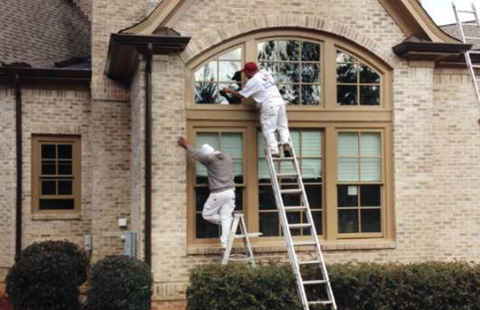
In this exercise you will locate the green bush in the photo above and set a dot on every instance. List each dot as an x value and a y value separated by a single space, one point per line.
78 257
119 282
432 286
43 281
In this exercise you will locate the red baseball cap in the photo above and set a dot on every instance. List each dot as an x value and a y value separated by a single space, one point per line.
250 67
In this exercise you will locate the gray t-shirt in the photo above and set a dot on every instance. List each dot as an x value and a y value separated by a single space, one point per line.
220 170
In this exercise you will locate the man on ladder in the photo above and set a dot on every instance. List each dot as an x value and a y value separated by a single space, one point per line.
221 203
273 115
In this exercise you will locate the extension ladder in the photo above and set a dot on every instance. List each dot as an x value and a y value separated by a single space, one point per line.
239 221
287 228
468 54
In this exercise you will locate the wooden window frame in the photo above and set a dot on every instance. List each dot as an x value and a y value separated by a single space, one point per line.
75 141
330 118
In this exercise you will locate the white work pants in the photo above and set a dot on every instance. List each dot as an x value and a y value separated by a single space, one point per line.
218 210
274 118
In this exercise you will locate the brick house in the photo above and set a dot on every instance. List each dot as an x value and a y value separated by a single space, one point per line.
94 93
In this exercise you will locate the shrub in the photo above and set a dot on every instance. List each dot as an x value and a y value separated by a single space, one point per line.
43 281
78 257
433 286
119 282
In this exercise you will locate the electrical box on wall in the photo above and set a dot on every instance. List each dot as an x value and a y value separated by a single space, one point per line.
122 222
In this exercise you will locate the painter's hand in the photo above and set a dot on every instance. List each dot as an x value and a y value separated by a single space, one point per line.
182 142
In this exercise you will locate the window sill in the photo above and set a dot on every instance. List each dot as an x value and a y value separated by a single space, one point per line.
276 247
54 217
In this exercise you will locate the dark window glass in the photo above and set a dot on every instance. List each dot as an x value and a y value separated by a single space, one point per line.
290 93
288 73
347 196
56 204
267 51
48 151
239 199
288 50
369 95
371 221
206 229
206 92
367 75
311 94
347 95
314 194
48 168
348 221
266 198
269 224
65 151
310 51
317 219
310 73
294 218
370 196
65 187
49 187
65 168
347 73
201 196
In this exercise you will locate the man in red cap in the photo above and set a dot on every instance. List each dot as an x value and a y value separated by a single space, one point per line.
273 116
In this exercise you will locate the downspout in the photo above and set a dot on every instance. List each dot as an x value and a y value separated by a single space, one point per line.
19 151
148 155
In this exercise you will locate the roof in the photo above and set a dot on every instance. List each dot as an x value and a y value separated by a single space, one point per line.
470 31
44 32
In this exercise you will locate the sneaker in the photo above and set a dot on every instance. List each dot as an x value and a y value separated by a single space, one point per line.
276 155
286 151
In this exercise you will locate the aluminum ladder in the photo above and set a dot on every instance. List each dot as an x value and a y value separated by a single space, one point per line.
288 227
468 54
239 222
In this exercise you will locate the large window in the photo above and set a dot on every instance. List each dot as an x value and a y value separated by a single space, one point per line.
340 119
56 174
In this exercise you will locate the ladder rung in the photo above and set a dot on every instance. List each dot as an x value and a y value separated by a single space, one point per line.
313 282
473 52
282 158
291 191
250 235
244 259
309 262
304 243
475 66
286 175
300 208
472 38
326 302
300 225
473 25
466 12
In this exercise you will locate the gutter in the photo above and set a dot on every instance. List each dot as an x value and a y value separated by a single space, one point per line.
7 74
19 154
148 155
429 51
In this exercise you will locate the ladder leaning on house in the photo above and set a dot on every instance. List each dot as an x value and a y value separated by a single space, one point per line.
465 39
304 285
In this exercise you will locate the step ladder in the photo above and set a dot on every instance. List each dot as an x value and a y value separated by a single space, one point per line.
468 39
287 229
239 222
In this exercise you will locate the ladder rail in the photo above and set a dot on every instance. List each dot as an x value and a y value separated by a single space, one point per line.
239 221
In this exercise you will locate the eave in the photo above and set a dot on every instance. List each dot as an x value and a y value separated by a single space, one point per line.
63 76
430 51
125 49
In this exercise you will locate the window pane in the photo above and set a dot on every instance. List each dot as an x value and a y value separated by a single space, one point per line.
371 221
201 196
232 144
228 99
235 54
266 198
289 50
65 187
294 218
238 171
270 67
317 219
291 200
207 72
206 229
288 73
267 50
312 168
347 95
310 51
348 221
347 196
48 168
65 151
371 169
311 94
290 93
206 92
56 204
348 144
48 151
65 168
348 169
263 171
343 57
312 143
311 73
228 70
269 224
369 95
239 198
295 137
314 194
347 73
49 187
367 75
370 196
370 144
210 138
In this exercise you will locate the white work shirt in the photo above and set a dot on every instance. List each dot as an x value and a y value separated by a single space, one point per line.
263 90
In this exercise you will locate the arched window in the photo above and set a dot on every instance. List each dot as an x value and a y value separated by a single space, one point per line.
339 109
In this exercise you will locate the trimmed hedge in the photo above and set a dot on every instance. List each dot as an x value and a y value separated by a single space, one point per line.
78 257
43 281
120 282
432 286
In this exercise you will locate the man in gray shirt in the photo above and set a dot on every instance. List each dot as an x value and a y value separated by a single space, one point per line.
220 204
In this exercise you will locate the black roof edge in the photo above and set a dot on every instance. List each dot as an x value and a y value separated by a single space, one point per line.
7 74
429 51
124 50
